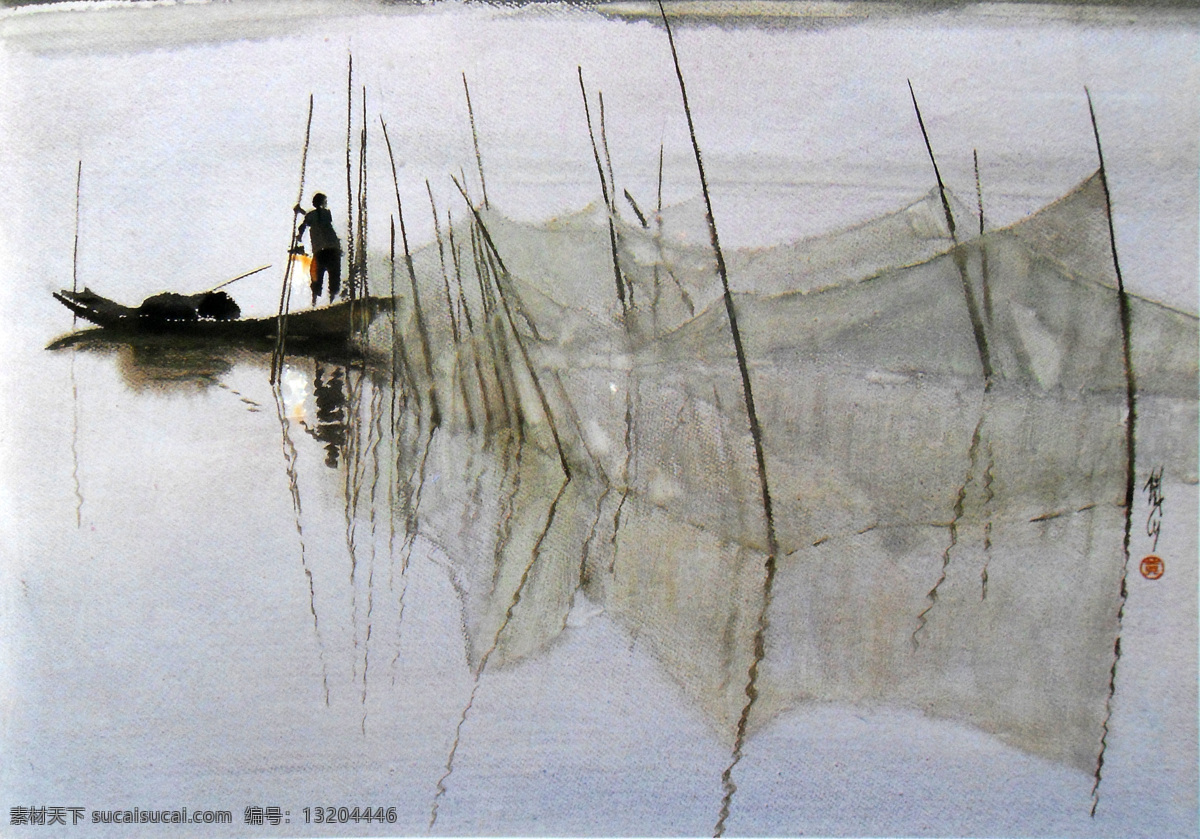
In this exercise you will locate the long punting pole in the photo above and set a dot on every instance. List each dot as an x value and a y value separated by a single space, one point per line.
1130 451
75 252
250 273
759 453
286 292
981 344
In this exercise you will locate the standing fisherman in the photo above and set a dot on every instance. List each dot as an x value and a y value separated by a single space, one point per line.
326 247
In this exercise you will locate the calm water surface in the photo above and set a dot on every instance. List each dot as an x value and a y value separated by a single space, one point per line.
219 595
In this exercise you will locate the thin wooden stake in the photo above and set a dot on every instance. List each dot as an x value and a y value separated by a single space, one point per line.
437 230
475 139
983 254
362 286
759 452
1126 317
465 308
398 347
350 241
435 410
512 325
75 251
981 343
612 232
612 182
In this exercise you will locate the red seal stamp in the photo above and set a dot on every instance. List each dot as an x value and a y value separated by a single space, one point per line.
1152 567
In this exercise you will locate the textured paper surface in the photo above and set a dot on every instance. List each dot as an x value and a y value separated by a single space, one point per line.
551 604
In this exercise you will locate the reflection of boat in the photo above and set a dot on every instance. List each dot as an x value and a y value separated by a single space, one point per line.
334 322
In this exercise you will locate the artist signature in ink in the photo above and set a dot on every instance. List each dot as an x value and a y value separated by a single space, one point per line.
1152 566
1153 489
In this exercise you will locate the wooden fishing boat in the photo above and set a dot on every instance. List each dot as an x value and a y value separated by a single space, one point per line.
335 322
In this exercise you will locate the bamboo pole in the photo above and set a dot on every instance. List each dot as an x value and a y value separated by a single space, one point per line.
489 305
350 254
612 232
286 290
435 410
981 343
502 359
235 279
398 348
1125 315
533 376
759 452
983 255
437 230
465 309
75 250
637 211
475 139
454 326
612 182
362 286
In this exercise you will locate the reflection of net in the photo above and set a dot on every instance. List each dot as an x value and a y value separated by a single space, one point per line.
944 548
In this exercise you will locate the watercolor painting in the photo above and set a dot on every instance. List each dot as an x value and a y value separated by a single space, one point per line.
610 418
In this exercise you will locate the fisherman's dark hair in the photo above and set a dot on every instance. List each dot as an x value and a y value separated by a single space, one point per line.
319 199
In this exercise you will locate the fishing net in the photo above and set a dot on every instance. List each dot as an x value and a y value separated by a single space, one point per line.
944 432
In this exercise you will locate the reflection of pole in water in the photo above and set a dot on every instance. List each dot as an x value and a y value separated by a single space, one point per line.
988 495
629 388
411 523
352 484
376 437
959 502
483 661
585 551
75 444
504 518
289 456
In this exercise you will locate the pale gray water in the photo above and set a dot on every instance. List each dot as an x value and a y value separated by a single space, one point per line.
160 642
